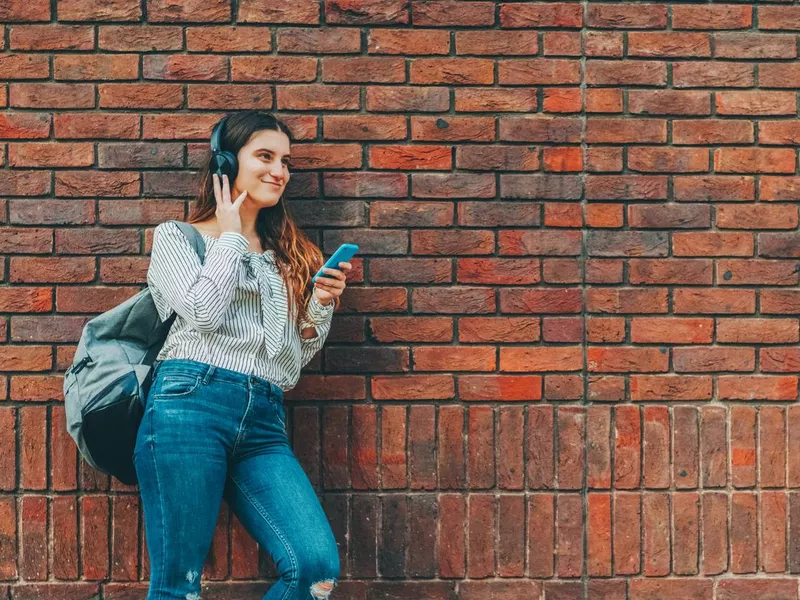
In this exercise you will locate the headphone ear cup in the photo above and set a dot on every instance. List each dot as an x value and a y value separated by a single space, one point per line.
225 162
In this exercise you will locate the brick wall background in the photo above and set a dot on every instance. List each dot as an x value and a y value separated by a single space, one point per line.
566 363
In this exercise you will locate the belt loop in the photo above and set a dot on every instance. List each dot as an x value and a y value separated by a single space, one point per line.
209 374
276 391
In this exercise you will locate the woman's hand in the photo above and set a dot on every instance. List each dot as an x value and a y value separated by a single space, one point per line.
227 211
331 283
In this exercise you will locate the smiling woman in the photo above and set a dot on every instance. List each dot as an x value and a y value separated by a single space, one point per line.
248 319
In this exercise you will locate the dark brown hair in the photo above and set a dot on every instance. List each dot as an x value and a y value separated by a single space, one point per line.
297 257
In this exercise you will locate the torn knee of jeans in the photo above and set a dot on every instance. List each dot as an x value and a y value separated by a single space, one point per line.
322 589
191 577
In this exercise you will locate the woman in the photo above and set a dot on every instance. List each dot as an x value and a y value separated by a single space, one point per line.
248 319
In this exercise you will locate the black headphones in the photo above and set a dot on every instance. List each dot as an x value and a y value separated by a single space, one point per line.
222 161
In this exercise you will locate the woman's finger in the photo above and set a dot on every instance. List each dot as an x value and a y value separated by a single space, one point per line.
226 189
335 273
217 189
240 199
334 284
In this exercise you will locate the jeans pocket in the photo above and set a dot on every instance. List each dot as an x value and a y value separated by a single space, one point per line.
280 412
176 385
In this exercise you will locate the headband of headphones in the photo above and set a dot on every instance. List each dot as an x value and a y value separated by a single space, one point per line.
216 135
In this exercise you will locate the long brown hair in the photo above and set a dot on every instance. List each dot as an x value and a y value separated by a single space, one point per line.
297 257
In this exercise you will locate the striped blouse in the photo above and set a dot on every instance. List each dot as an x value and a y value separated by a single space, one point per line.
231 310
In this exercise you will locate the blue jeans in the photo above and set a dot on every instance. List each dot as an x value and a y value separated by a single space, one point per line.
209 433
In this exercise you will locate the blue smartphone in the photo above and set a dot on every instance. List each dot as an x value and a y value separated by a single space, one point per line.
343 254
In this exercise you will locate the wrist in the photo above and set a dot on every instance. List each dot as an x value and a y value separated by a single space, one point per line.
319 312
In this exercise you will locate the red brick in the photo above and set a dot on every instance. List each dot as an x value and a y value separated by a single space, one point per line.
627 458
570 532
571 439
444 13
774 517
33 555
757 589
397 41
626 536
651 16
541 535
125 525
656 534
772 460
481 519
8 530
451 465
510 432
452 540
8 433
364 456
510 536
33 447
94 536
598 451
335 449
666 589
598 534
715 532
540 471
65 537
553 14
744 528
393 447
656 436
686 522
499 589
422 517
422 447
669 44
481 444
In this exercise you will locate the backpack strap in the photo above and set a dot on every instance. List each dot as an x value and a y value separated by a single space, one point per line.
194 237
199 245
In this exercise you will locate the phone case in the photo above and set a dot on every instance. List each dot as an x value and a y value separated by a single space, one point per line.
343 254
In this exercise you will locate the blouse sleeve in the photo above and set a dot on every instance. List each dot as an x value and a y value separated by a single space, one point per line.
200 293
319 317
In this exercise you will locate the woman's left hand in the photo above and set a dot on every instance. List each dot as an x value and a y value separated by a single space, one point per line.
331 283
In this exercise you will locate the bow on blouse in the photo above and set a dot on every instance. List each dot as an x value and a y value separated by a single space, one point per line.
273 301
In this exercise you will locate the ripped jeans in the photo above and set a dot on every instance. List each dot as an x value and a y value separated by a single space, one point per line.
209 433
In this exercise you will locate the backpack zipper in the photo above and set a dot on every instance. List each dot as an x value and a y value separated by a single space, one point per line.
78 367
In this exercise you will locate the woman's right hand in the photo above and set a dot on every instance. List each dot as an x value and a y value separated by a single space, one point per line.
227 212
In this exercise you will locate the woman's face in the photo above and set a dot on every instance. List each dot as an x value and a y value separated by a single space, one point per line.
264 167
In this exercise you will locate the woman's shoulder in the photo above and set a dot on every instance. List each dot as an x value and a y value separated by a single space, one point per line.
171 229
168 227
208 228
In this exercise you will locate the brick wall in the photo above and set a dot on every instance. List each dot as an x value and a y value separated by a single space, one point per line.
566 364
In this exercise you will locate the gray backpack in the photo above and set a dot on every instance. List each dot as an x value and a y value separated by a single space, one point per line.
106 387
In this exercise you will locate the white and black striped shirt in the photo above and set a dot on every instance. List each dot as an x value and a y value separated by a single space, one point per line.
231 310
